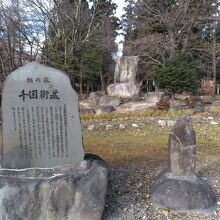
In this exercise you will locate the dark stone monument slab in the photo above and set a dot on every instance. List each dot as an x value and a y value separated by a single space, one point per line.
178 188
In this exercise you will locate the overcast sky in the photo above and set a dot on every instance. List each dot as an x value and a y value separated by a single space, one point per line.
119 12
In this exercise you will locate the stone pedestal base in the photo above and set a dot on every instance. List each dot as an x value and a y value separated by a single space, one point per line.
76 193
124 90
182 194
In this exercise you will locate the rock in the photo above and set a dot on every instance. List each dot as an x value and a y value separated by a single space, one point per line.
134 107
104 110
91 127
126 69
206 99
121 126
154 97
124 90
178 105
84 104
134 125
94 97
216 103
182 143
87 112
214 123
181 97
210 118
109 101
63 192
198 106
171 123
178 188
162 123
108 127
183 194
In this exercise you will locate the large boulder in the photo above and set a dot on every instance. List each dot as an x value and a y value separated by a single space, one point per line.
124 90
183 194
154 97
126 69
64 192
104 110
134 107
94 97
109 101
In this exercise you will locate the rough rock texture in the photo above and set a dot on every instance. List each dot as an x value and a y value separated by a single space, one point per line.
134 107
182 148
84 104
104 110
94 97
183 194
87 111
126 69
154 97
178 188
109 101
62 193
124 90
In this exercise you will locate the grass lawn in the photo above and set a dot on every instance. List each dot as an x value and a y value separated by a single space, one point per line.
134 145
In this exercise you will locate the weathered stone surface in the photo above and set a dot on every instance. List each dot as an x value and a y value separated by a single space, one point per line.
61 193
124 90
183 194
104 110
154 97
134 107
182 144
178 188
84 104
87 111
94 97
109 101
126 69
41 124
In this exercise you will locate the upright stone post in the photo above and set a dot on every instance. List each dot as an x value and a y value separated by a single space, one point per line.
182 148
178 188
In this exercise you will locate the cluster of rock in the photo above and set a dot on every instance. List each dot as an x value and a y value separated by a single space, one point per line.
124 94
100 103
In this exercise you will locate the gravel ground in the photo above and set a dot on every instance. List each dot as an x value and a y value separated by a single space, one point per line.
129 188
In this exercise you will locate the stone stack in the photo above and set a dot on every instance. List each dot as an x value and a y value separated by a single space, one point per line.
178 188
125 82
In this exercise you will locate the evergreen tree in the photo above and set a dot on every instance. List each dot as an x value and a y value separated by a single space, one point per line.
179 74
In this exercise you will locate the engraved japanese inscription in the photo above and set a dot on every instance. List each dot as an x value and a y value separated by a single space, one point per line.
41 126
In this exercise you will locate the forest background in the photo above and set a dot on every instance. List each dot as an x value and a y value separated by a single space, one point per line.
78 37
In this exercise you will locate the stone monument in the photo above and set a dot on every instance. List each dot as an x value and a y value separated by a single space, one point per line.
43 173
178 188
41 124
125 82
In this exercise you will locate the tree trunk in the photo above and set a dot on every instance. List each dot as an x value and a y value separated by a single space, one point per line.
102 80
81 83
172 44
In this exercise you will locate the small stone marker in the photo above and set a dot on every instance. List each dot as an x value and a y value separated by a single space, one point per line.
178 188
41 124
182 148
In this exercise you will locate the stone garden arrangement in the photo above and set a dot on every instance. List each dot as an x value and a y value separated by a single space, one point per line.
43 173
178 188
125 84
